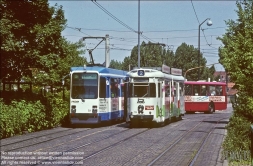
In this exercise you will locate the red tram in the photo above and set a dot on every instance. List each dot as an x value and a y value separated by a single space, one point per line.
205 96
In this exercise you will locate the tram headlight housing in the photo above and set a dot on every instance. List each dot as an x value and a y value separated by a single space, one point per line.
73 109
94 109
131 115
140 109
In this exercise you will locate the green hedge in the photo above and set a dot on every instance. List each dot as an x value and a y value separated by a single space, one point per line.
21 115
237 142
57 110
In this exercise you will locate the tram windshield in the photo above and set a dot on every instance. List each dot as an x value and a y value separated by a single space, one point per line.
84 86
142 90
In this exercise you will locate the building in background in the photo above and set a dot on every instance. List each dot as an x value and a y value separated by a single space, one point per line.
223 77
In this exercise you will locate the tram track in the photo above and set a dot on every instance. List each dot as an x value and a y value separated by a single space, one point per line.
112 146
33 137
20 144
94 142
180 138
172 140
193 161
171 146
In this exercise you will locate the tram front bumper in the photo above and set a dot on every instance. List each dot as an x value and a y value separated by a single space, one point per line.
84 119
142 118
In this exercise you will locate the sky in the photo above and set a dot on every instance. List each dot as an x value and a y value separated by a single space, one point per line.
166 21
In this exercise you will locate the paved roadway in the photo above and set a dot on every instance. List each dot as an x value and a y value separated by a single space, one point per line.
195 140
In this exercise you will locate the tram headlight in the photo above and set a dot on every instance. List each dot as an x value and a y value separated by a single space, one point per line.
73 109
94 109
140 109
131 115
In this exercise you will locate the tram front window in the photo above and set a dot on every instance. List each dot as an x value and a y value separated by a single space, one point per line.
84 86
143 90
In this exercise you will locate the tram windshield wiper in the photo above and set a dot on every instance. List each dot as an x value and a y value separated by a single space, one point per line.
145 95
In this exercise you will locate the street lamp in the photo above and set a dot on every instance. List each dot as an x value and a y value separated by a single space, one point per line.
197 68
209 23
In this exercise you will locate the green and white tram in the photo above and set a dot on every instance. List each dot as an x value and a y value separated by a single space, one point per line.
155 95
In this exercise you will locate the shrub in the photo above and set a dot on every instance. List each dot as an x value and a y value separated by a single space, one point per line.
57 109
238 129
17 117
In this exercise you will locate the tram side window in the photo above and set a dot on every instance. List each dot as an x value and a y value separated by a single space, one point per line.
181 88
173 89
218 90
196 89
102 89
130 90
212 90
152 91
122 90
114 88
188 90
159 88
205 90
167 90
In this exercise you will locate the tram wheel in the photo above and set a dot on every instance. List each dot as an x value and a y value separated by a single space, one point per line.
179 118
211 108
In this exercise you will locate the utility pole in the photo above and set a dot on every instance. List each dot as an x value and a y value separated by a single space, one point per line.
107 51
139 54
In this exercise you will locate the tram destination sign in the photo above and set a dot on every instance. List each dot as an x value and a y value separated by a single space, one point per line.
166 69
176 71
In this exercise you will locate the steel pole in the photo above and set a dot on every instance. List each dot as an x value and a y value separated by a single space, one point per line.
199 47
138 33
199 52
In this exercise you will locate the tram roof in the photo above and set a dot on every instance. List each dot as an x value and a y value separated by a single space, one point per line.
99 69
154 73
204 83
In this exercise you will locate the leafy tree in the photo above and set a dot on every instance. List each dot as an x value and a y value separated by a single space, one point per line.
126 64
211 72
31 39
154 55
168 58
72 58
186 57
151 55
236 55
115 64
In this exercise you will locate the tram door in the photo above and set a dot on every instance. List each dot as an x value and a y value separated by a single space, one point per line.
114 96
160 94
126 114
159 100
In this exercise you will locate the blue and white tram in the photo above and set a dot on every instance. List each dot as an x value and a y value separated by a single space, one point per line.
96 94
155 95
